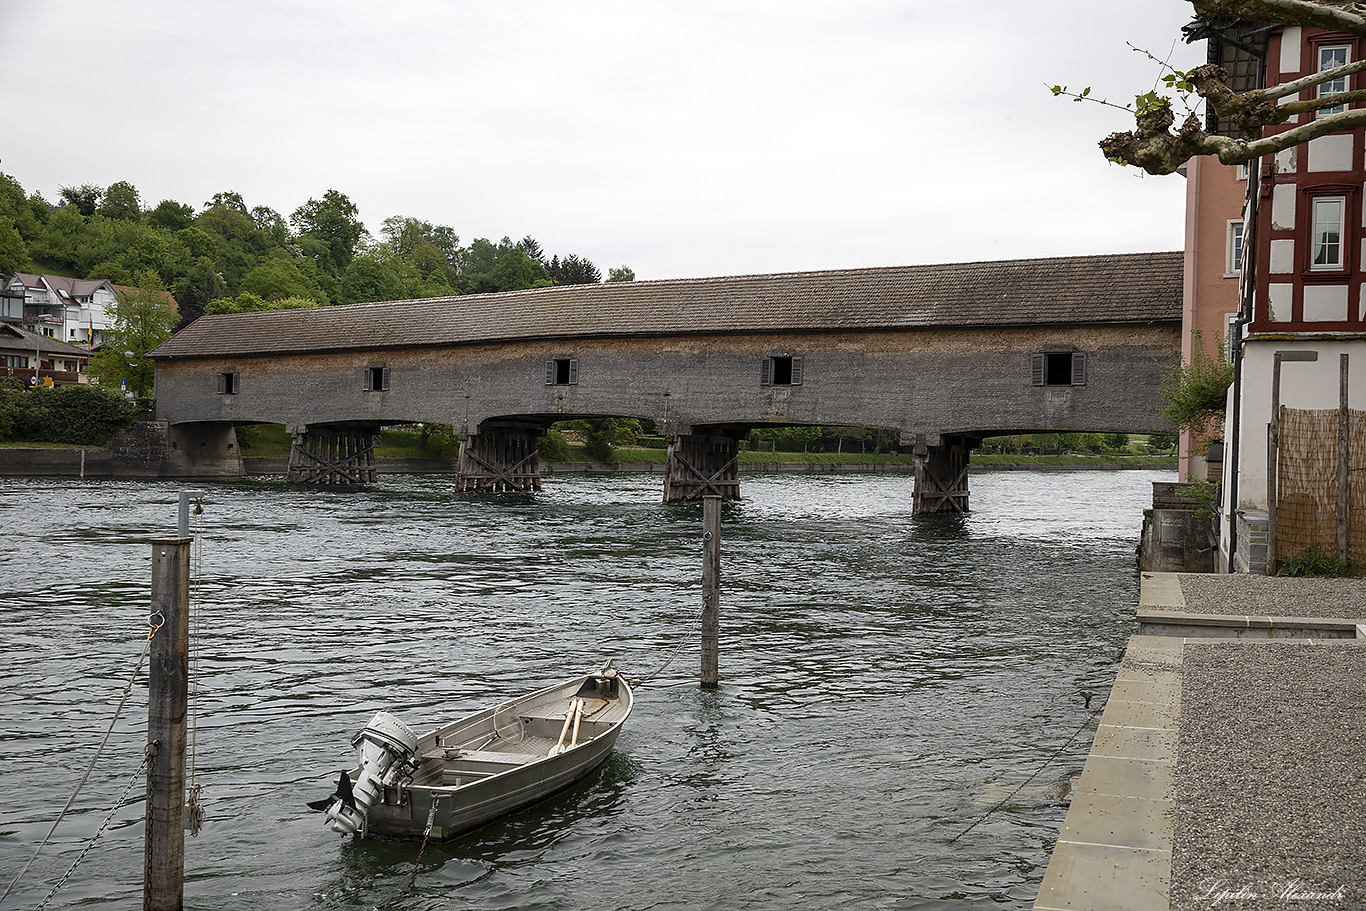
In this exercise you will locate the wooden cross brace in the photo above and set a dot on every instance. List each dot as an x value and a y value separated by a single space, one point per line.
709 482
350 468
506 475
954 492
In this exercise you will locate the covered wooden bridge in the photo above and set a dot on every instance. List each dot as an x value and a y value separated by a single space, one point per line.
944 354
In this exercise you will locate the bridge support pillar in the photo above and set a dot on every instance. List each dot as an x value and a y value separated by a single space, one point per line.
941 477
500 459
701 465
332 455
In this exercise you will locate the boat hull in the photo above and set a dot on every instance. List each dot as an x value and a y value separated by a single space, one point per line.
503 759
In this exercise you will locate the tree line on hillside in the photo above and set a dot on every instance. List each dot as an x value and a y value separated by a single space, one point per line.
229 257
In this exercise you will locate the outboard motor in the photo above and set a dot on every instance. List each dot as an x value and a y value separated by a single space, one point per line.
385 748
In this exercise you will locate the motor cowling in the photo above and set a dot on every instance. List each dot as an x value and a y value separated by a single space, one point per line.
385 747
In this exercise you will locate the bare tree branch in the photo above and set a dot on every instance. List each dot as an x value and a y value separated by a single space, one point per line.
1340 17
1154 147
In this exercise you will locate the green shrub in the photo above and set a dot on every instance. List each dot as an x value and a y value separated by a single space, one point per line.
552 447
599 450
263 440
1315 562
1203 495
79 415
439 441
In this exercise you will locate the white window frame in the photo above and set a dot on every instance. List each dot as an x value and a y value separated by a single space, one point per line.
1233 248
1340 262
1332 86
1240 171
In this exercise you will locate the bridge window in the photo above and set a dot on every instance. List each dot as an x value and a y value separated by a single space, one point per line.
562 371
781 370
1058 368
376 379
227 383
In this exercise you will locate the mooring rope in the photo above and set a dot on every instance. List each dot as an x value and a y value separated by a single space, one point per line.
1056 753
194 810
672 655
153 626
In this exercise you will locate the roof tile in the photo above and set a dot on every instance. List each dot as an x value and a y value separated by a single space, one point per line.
1137 287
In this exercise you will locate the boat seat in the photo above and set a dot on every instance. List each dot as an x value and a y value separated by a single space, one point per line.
558 712
495 758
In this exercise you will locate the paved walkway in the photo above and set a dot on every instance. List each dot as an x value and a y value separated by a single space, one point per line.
1226 772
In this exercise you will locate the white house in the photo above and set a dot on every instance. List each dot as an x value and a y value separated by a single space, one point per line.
72 310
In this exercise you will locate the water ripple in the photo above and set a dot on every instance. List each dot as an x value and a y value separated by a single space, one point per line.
884 680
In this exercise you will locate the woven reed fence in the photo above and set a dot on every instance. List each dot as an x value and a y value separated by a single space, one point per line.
1308 484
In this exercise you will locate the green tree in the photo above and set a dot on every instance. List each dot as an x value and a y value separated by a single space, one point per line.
228 199
143 319
121 200
271 230
227 223
13 250
370 279
171 214
601 434
333 221
115 272
250 303
572 270
621 274
85 198
280 277
58 242
532 247
19 209
516 272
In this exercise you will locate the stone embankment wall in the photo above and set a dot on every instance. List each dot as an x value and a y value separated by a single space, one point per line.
1178 535
151 449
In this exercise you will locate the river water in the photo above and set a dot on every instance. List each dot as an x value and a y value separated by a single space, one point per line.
885 681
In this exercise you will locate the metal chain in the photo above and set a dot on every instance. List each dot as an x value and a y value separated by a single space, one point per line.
142 766
431 819
1056 753
153 626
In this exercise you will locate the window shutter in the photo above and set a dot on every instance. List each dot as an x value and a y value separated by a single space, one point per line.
222 383
796 370
766 372
1078 368
573 371
550 372
366 379
1036 368
384 379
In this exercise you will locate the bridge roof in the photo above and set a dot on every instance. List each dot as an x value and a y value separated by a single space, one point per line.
1115 288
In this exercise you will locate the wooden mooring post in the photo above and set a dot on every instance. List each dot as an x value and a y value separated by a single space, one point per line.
168 694
711 591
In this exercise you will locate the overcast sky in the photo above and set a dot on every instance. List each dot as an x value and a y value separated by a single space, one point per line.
680 137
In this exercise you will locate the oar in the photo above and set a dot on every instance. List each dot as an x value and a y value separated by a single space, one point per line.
558 748
578 716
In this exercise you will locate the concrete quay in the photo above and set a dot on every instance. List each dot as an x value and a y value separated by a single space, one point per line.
1229 766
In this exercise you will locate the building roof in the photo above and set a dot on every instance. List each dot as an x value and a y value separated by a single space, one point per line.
74 289
1117 288
12 338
